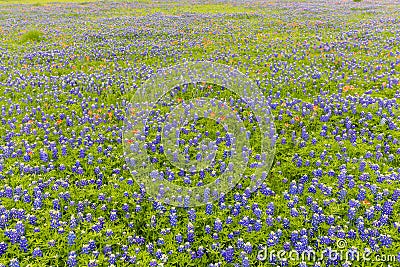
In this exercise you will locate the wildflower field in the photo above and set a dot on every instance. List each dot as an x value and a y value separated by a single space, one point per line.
329 76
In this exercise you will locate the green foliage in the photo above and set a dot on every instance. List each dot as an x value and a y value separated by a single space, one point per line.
91 44
42 2
32 36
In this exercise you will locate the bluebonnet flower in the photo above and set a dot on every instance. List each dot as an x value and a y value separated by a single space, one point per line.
112 259
192 215
228 254
37 252
286 223
207 229
218 225
209 208
86 249
173 218
190 236
23 244
179 238
3 248
248 248
93 263
71 238
14 263
20 228
113 216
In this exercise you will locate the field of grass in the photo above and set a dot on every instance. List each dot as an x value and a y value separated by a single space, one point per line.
70 194
42 2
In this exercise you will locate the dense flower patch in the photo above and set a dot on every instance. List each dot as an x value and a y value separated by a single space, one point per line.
330 72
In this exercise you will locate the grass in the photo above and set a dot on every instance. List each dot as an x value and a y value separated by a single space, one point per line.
32 36
42 2
109 52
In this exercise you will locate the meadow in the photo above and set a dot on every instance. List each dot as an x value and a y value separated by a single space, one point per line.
330 74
